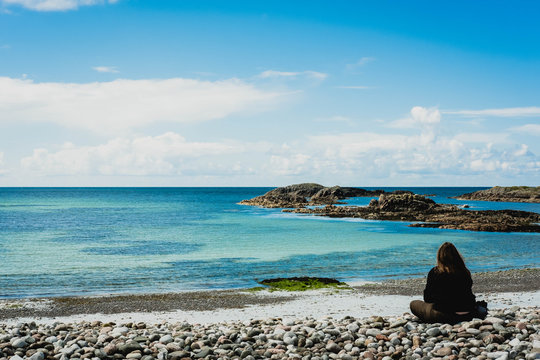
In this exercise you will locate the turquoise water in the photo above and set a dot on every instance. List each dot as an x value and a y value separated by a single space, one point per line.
75 241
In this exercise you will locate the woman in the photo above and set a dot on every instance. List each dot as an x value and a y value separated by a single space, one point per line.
448 296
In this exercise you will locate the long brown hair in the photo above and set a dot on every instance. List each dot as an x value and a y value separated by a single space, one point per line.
449 260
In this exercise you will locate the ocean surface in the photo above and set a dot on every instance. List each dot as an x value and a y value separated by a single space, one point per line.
89 241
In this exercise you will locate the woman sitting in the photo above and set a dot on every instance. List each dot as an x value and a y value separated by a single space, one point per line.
448 296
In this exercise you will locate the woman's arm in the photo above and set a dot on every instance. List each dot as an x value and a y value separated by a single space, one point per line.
429 291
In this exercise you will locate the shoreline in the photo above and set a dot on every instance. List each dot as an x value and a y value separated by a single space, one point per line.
388 298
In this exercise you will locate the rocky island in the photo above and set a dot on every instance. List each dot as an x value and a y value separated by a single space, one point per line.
528 194
301 195
397 206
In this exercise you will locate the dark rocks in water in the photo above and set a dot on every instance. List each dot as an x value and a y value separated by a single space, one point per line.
398 206
285 197
402 202
425 212
528 194
300 195
332 195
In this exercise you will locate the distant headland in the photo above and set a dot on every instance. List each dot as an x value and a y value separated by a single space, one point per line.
396 206
528 194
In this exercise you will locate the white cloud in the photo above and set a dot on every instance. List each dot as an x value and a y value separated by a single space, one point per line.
353 158
167 154
503 112
288 74
427 152
336 118
296 164
106 69
419 116
529 129
2 170
354 87
116 106
361 62
55 5
488 138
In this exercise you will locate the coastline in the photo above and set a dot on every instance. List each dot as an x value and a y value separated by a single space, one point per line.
520 287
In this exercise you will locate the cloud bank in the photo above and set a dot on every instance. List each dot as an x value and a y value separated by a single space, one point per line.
116 106
292 74
55 5
106 69
503 112
167 154
350 157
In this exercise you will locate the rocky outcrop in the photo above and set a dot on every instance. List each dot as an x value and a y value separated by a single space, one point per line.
300 195
396 206
424 212
402 202
291 196
526 194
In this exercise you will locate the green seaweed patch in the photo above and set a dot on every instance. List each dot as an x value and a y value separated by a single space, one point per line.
302 284
14 306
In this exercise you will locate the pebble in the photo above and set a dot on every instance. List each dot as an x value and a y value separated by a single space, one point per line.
505 335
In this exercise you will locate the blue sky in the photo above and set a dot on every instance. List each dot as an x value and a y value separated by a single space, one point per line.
267 93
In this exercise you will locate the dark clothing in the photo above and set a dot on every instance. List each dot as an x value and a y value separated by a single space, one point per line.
427 313
444 295
449 292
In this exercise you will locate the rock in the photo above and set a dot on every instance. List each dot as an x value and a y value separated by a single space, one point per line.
136 355
110 349
333 347
205 351
353 327
509 194
403 202
398 323
166 339
128 347
37 356
290 338
497 355
299 195
61 327
424 212
473 331
19 343
444 351
373 332
434 331
177 355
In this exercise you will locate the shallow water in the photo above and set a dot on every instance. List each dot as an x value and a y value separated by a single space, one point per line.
70 241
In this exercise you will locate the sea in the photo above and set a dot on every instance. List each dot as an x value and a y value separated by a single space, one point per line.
95 241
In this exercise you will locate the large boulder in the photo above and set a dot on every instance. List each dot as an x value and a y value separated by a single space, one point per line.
402 202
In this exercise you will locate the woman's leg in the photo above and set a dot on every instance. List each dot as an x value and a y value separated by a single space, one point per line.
426 313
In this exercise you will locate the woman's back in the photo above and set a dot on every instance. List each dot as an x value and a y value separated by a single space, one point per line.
449 292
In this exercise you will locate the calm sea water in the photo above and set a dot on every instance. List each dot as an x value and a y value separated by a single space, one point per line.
77 241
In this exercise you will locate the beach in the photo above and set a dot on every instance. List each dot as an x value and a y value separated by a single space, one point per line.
237 323
391 297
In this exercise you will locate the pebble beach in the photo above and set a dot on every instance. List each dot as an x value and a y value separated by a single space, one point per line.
505 334
368 321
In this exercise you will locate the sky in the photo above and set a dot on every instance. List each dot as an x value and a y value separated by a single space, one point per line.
269 93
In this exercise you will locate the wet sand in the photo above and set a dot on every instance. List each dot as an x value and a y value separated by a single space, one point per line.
510 281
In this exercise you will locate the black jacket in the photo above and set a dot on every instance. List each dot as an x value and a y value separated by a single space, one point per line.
449 292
